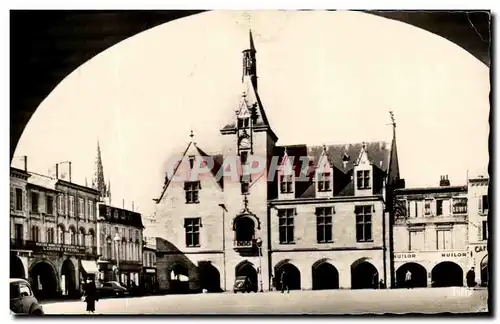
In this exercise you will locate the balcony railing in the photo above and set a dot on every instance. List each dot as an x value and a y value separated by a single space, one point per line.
243 244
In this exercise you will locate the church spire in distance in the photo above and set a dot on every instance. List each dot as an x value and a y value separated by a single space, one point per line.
98 182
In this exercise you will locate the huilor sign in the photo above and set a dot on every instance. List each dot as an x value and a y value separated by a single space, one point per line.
57 248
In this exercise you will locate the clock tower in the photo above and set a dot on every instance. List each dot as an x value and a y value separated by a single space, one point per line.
249 142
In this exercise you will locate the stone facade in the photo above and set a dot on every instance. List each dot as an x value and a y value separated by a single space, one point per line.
430 235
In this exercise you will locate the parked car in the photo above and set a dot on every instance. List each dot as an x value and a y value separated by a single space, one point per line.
112 288
22 299
244 284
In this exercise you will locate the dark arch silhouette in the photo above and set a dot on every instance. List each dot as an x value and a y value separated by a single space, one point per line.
447 274
364 275
484 271
44 55
209 277
43 280
247 269
16 267
179 284
324 276
293 275
69 279
418 275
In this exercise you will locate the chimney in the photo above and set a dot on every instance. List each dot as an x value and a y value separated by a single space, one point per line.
26 163
69 171
57 171
444 182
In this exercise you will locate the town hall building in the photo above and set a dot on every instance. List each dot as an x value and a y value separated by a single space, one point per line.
317 212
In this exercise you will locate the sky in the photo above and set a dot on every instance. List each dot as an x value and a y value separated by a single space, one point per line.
324 78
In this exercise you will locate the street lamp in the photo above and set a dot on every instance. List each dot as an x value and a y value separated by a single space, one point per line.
117 240
259 246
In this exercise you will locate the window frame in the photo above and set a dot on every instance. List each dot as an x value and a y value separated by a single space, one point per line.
286 225
484 230
324 179
455 208
286 183
19 199
427 207
192 192
366 221
192 226
324 221
35 205
363 179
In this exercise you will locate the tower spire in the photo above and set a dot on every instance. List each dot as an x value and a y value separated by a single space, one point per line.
252 46
98 181
393 162
250 63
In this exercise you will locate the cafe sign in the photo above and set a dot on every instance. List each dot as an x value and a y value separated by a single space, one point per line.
479 248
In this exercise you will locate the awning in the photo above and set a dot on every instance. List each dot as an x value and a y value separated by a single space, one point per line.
90 267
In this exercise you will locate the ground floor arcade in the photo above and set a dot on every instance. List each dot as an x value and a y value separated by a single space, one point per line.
431 269
479 260
50 275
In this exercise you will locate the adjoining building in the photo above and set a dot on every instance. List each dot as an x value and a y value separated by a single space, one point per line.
479 207
430 235
149 281
53 224
120 245
328 231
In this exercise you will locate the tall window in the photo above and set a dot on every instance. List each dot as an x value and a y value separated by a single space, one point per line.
483 204
34 202
416 208
443 241
459 205
324 224
408 209
50 205
192 188
81 237
243 157
485 230
243 122
245 183
439 207
60 204
192 228
109 249
427 206
71 206
363 179
35 233
81 207
324 181
416 242
72 237
286 184
191 162
363 223
18 232
50 235
91 212
19 199
286 226
62 238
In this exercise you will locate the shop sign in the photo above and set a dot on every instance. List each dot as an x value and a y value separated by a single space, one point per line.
150 271
454 255
405 256
51 247
479 248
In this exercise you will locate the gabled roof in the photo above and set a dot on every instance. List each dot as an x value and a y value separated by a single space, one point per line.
193 150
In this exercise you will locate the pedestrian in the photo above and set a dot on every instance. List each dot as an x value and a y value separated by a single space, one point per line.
90 296
284 282
408 282
471 278
381 284
272 282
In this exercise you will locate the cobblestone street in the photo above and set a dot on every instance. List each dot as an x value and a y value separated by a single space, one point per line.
423 300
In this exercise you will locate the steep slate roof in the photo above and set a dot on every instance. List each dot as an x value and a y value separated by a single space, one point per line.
378 154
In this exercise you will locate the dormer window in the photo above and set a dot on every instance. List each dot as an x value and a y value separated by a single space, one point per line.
363 179
324 181
243 122
286 184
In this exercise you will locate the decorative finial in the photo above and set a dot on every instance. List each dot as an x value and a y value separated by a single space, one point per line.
393 120
324 148
364 145
191 135
286 153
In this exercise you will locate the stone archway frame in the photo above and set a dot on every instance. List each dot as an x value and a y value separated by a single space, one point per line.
175 264
248 215
51 264
15 255
321 262
458 264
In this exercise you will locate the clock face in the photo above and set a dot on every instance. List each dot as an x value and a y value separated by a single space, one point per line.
244 142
